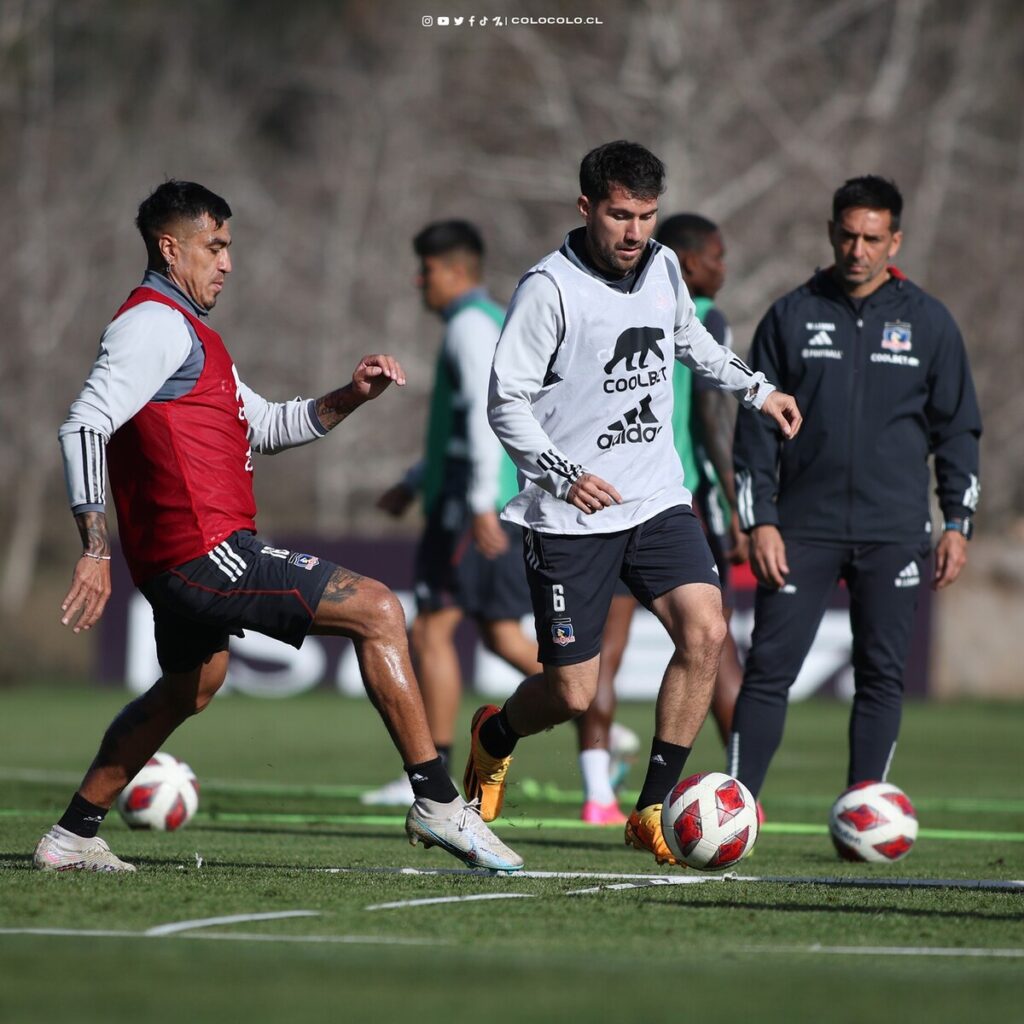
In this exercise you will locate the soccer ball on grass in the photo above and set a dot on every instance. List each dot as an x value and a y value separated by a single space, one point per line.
873 821
709 821
163 796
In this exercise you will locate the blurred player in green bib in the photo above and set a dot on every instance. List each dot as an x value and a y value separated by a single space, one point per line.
469 563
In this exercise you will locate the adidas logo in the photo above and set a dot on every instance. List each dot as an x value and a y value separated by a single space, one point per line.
416 777
638 426
659 760
788 588
909 576
821 338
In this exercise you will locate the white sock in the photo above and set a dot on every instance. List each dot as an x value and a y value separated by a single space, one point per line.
594 767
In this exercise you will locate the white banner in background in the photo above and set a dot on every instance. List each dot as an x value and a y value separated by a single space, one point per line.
263 667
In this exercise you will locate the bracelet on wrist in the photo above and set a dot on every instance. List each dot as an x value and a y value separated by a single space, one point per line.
963 525
99 558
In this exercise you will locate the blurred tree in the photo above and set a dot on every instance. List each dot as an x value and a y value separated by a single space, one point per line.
337 130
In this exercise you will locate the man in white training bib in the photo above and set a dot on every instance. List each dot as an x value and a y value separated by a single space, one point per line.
581 397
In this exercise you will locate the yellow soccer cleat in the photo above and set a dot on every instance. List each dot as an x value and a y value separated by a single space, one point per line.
484 779
643 832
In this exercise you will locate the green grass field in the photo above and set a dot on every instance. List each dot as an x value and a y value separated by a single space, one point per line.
280 809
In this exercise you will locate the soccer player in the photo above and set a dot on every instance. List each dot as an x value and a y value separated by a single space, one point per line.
702 427
166 411
468 561
879 368
581 397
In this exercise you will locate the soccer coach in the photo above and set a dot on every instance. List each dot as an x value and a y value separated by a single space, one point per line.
879 369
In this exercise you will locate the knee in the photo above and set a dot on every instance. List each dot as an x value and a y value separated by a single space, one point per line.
706 636
211 679
574 699
419 633
190 693
602 707
432 629
384 615
496 640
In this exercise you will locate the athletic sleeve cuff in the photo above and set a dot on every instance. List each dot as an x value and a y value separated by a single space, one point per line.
758 392
314 420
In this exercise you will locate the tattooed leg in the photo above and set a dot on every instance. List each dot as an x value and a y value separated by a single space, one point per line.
372 617
142 726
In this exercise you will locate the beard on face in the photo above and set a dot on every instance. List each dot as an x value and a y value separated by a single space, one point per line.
616 259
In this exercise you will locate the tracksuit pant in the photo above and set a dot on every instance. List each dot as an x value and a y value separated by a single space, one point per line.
884 581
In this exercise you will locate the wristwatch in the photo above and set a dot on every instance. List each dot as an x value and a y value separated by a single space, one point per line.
963 525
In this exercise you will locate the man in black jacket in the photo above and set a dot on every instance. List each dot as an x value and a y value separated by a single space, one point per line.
879 369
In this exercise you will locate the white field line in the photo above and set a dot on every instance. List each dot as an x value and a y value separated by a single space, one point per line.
211 922
354 940
84 933
97 933
642 882
975 951
483 873
452 899
402 903
618 886
696 878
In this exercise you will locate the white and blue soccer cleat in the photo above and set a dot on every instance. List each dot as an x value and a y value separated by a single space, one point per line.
458 828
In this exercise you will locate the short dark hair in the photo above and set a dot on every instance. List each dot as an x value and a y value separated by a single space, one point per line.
871 192
176 200
627 164
686 232
447 236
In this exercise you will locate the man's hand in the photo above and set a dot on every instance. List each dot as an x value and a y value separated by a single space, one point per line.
783 409
90 590
768 556
739 543
950 558
375 374
395 500
590 494
490 539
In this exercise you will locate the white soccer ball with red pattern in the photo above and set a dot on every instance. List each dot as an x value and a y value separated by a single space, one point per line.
873 821
163 796
710 821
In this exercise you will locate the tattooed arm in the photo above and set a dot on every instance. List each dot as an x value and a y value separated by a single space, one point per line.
371 377
90 583
277 426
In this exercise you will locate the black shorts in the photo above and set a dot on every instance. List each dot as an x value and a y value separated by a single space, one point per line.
490 589
452 573
242 583
572 577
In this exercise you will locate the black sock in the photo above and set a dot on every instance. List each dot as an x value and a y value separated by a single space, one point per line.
444 751
663 771
82 817
497 737
430 780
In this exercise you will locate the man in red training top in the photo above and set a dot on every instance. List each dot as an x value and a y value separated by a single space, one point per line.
165 411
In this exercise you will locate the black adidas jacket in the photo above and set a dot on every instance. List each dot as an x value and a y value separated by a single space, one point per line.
882 384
